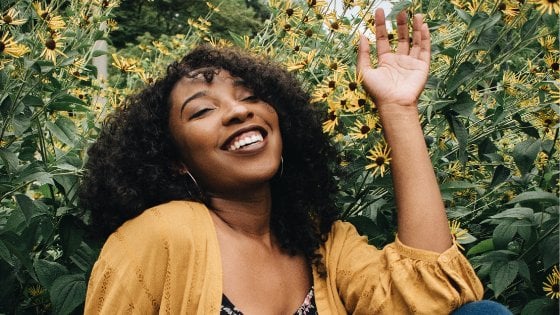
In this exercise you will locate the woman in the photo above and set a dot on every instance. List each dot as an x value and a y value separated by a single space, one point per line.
233 134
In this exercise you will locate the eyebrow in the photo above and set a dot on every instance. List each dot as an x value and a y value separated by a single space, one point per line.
192 97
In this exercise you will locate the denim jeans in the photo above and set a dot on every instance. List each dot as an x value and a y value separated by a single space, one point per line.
484 307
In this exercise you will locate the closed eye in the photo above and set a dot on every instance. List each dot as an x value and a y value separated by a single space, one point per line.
200 113
251 98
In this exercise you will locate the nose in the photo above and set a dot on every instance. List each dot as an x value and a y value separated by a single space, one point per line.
237 112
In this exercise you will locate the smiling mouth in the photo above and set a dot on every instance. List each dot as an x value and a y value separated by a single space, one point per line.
244 139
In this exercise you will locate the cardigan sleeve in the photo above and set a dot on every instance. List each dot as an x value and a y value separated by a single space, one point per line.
398 279
121 282
163 261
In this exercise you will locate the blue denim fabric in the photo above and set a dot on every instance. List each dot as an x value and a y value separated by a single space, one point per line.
482 308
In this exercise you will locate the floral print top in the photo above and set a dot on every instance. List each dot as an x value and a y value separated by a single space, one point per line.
307 308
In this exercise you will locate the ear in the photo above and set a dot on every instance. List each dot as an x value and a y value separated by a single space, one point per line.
180 167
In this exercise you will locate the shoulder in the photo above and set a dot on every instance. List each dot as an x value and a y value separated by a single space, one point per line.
342 231
168 216
176 223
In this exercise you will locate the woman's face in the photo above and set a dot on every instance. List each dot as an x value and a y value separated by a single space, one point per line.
228 139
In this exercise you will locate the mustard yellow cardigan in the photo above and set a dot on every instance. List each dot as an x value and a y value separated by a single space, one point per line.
167 261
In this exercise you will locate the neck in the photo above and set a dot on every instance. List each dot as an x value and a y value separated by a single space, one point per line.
249 215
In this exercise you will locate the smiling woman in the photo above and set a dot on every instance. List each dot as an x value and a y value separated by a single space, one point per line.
216 186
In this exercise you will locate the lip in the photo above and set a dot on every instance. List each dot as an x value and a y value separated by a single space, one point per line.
260 129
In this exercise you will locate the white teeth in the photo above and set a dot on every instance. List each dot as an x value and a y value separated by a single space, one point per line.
245 141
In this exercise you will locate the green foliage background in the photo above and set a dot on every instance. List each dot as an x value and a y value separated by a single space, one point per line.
489 112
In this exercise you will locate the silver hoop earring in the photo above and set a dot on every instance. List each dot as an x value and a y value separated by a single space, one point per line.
194 180
281 166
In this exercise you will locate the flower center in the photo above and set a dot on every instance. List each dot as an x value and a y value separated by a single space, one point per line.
7 19
364 129
380 160
50 44
2 46
289 11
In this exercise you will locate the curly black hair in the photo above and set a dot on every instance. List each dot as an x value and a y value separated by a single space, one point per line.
133 164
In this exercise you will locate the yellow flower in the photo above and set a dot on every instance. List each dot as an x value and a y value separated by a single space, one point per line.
9 47
292 11
320 94
362 128
53 46
380 158
300 62
547 6
548 43
125 64
332 117
107 4
316 4
112 24
212 7
457 233
552 61
334 64
10 18
35 290
551 285
512 82
56 23
335 24
42 13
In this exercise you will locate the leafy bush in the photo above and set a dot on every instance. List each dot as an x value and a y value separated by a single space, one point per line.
489 112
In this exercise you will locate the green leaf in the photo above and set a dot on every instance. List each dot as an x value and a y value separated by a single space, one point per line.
462 136
482 247
524 270
501 174
481 21
458 185
526 127
502 275
68 292
549 249
5 254
48 271
464 104
464 73
63 129
22 121
33 101
463 15
525 231
98 53
539 306
515 213
539 196
397 8
525 153
71 234
66 102
503 234
9 159
26 206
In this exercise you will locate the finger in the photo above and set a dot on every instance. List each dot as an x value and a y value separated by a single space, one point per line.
403 45
381 36
363 61
416 36
425 47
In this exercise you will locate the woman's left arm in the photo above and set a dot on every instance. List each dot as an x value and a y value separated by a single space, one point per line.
395 86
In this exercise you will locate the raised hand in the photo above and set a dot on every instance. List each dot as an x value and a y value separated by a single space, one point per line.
399 77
